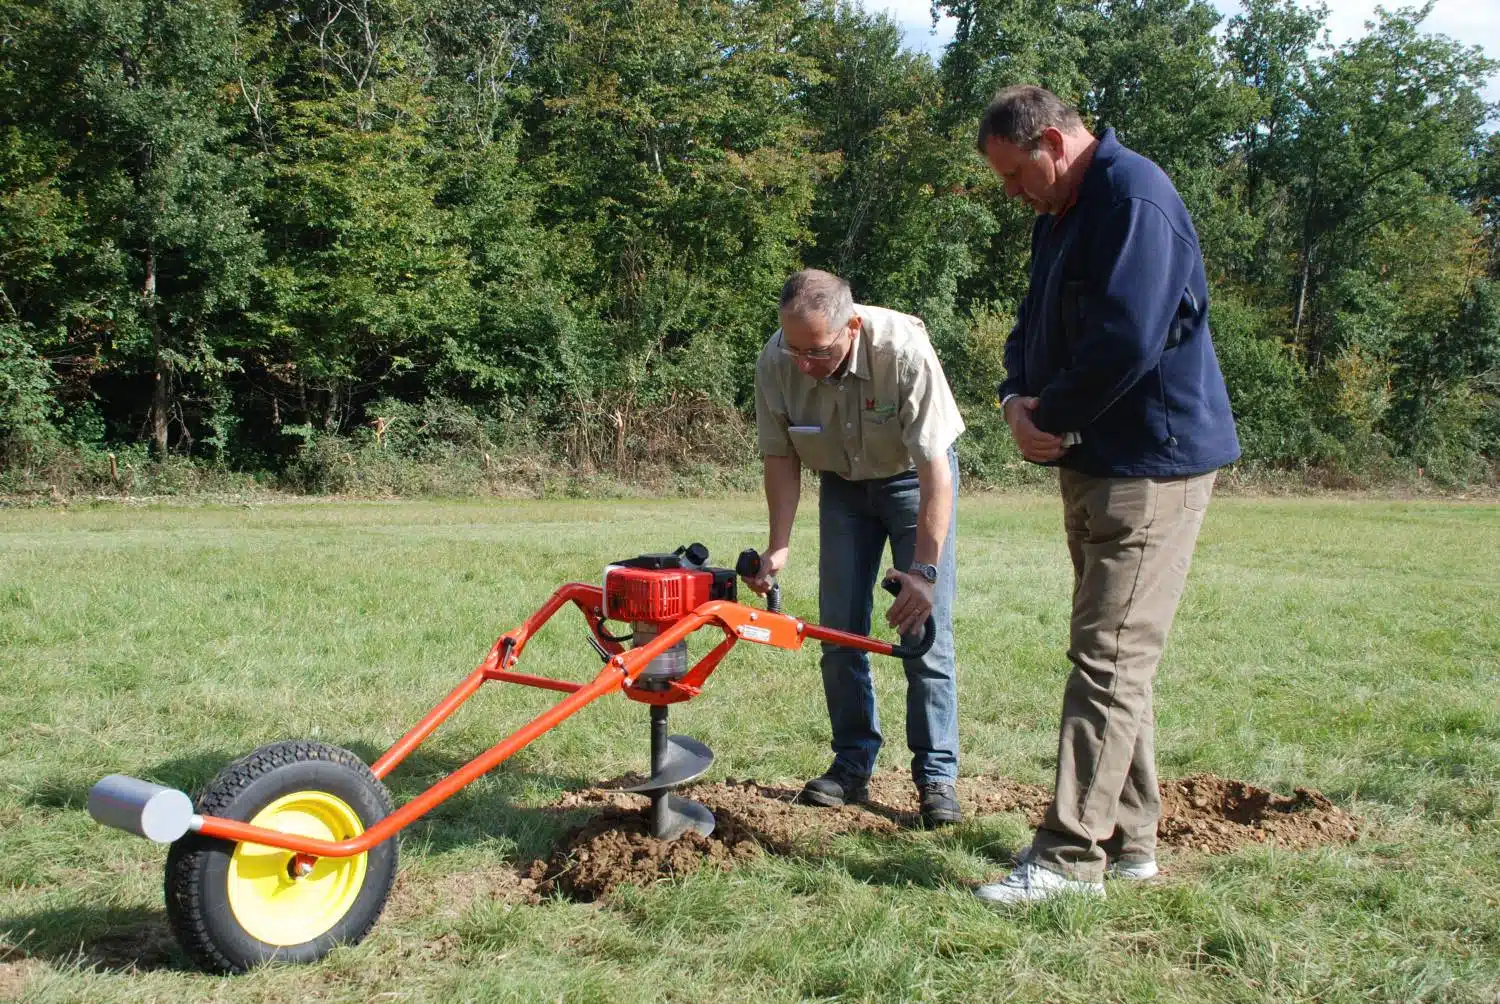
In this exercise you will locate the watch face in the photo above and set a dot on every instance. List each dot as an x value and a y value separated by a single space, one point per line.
928 572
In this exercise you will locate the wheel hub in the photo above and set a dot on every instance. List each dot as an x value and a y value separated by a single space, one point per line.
284 898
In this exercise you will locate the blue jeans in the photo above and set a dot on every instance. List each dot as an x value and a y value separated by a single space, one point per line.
856 518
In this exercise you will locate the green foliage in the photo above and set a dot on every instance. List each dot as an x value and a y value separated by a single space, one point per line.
895 219
1388 125
26 402
1267 387
682 164
242 232
1445 413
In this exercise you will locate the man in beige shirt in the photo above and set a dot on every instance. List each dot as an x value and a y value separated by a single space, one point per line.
857 394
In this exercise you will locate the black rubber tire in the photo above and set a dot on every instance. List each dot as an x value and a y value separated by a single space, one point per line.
197 873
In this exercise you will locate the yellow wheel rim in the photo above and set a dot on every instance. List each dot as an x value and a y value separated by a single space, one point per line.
273 906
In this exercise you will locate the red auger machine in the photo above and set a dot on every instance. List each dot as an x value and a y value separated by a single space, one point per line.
291 850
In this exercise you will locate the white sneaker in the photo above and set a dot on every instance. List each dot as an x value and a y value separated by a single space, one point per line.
1030 883
1135 870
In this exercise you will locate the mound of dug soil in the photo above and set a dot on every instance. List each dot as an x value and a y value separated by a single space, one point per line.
1208 813
1203 813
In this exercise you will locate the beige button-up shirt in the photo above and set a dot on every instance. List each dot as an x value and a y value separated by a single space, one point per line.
890 410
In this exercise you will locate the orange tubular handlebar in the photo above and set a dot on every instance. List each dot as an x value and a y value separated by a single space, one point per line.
851 640
230 829
620 672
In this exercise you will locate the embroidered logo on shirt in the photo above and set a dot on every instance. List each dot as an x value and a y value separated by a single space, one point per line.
879 410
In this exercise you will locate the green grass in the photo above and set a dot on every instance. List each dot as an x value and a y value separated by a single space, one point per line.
1342 645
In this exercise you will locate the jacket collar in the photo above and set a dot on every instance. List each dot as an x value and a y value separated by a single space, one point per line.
1105 155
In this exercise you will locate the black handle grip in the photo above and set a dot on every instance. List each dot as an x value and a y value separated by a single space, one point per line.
929 630
695 553
748 567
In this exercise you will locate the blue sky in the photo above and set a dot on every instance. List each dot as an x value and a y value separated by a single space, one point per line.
1474 22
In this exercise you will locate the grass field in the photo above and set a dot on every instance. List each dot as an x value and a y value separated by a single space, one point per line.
1348 646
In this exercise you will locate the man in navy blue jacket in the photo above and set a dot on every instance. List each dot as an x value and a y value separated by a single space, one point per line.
1111 376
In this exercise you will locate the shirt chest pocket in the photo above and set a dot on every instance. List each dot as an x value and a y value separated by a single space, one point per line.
882 443
814 448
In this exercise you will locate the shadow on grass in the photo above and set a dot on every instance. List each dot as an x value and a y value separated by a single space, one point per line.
492 813
106 939
189 773
893 862
474 815
919 858
468 816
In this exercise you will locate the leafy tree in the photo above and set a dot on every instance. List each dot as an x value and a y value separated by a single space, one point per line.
365 277
677 165
1268 50
140 91
1389 120
896 218
223 221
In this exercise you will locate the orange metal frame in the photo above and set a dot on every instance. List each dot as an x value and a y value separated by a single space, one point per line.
622 668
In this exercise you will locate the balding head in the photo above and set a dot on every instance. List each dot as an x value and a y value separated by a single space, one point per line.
815 293
1020 115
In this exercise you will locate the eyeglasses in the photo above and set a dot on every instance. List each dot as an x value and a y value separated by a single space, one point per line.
818 355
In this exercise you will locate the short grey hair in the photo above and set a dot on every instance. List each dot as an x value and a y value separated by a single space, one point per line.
1021 113
813 291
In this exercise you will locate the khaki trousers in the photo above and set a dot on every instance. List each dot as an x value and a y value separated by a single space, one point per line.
1131 540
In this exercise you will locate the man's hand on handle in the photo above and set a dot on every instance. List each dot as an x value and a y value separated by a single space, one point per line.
913 604
771 563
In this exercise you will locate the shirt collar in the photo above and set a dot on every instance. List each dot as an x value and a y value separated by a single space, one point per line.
859 358
858 363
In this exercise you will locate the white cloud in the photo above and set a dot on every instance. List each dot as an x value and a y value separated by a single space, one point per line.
915 20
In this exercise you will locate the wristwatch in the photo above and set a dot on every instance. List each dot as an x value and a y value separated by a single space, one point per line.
928 572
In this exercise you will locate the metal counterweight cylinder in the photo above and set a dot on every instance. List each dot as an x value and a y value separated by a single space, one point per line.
140 807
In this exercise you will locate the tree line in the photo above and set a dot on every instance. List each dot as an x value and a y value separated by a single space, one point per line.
247 231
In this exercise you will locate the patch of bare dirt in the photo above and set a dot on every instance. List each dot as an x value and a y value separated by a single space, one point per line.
1203 813
450 894
1216 815
13 978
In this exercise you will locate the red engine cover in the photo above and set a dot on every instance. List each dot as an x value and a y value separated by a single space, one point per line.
655 595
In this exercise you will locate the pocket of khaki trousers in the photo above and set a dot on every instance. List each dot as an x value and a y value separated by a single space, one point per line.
1199 490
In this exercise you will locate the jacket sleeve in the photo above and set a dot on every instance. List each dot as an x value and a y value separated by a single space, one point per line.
1015 357
1139 267
1015 345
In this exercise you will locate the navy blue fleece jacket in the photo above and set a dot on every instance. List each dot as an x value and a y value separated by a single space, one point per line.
1113 334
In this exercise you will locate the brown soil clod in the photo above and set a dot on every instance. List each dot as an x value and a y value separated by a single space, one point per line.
1215 815
1202 813
14 977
